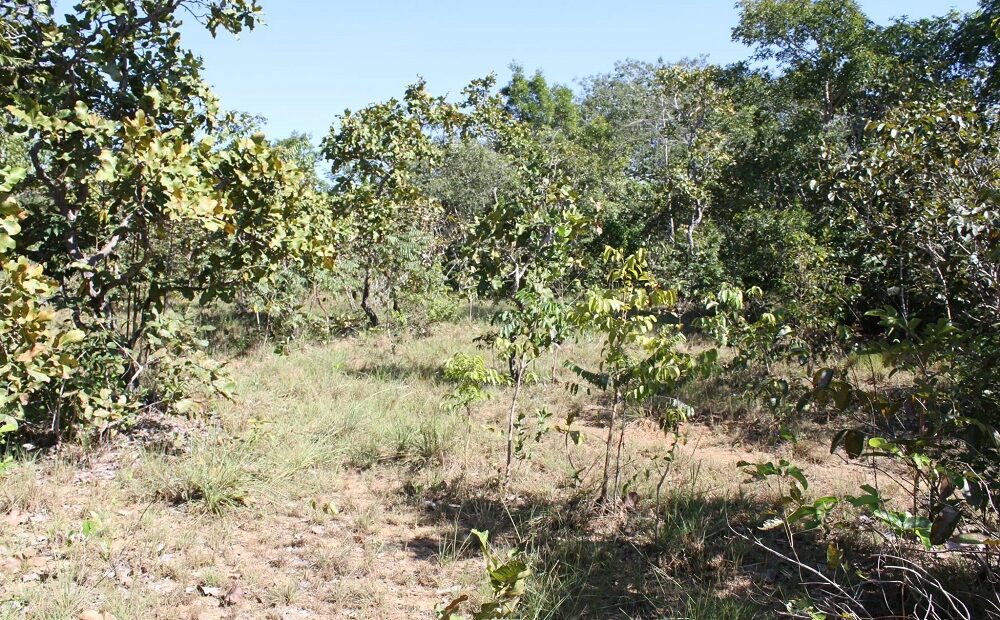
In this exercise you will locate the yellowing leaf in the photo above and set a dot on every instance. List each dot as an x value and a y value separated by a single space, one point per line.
72 337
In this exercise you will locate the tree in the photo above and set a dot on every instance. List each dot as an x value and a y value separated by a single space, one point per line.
525 244
464 182
976 46
375 157
533 101
694 140
921 197
36 340
138 191
826 46
673 130
639 361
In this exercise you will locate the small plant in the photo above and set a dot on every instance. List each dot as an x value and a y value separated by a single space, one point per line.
794 504
472 378
213 478
508 575
536 324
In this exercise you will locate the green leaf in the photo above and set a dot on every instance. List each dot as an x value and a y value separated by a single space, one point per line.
822 378
796 473
484 540
837 440
8 424
72 336
10 225
511 572
225 386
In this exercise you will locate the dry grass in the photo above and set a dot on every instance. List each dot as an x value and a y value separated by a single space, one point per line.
336 486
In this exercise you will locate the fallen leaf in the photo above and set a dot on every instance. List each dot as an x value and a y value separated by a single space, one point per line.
210 591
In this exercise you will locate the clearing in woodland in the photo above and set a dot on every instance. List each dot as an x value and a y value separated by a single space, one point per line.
336 486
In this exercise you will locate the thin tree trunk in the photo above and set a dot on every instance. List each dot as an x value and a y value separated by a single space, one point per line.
607 453
659 490
365 294
618 455
696 219
519 376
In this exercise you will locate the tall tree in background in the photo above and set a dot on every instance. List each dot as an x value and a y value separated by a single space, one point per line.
977 48
694 137
375 156
825 46
533 101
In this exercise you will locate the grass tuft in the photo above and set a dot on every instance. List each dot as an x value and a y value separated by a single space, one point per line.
214 477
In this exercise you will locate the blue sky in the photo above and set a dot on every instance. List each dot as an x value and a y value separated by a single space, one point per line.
314 58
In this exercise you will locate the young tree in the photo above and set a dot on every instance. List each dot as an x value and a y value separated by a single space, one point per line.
525 244
375 157
36 340
639 360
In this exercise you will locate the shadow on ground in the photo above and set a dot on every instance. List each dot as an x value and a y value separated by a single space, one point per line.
593 564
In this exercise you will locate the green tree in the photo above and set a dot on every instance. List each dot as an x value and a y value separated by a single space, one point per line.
138 189
376 156
976 47
916 211
672 131
36 340
826 46
533 101
640 362
526 245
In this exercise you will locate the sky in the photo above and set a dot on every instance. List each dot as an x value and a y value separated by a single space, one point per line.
314 58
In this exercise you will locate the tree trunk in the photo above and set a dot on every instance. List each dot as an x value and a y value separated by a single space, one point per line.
365 294
607 453
518 378
696 217
618 455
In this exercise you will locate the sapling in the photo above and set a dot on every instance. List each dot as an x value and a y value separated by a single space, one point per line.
640 360
472 379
